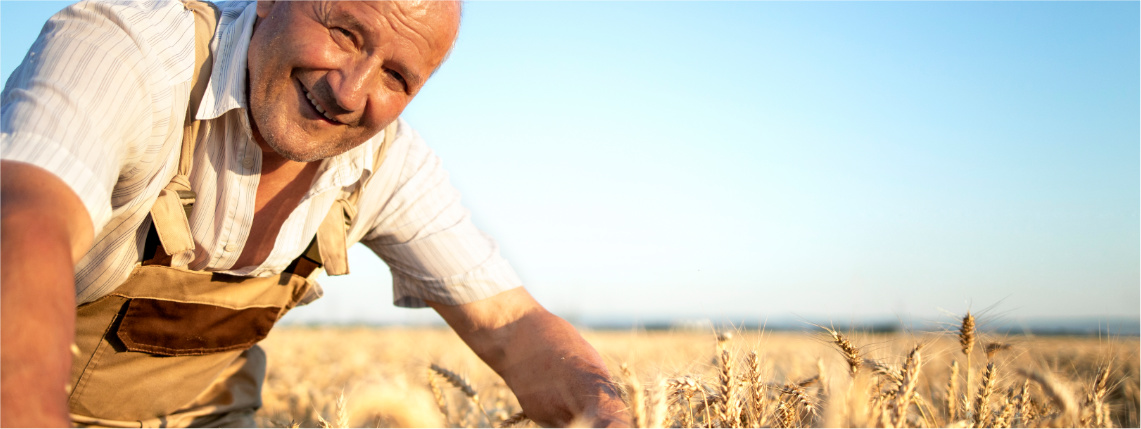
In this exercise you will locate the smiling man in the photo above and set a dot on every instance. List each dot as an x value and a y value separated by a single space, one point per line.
175 175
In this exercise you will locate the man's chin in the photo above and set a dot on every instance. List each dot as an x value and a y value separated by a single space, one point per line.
296 153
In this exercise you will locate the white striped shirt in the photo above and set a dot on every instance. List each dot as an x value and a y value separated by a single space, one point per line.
99 101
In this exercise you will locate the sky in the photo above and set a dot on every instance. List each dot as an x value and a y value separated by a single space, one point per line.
764 160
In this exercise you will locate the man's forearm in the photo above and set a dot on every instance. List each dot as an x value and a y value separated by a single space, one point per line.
550 366
556 375
44 229
37 319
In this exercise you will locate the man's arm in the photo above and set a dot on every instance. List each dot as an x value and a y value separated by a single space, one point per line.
556 375
44 230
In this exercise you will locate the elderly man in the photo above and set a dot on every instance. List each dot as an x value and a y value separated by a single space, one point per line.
175 174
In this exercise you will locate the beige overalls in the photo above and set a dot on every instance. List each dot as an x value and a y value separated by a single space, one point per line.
172 347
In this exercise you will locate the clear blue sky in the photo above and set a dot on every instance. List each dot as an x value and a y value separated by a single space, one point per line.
762 160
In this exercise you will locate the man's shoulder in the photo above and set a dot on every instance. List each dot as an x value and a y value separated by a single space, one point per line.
130 15
161 32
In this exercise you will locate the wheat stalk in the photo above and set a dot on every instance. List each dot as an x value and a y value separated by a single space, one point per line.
656 404
636 395
953 392
982 403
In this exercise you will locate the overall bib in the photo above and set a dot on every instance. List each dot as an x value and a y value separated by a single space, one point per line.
173 347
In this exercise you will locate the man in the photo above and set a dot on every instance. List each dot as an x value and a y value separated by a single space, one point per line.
296 135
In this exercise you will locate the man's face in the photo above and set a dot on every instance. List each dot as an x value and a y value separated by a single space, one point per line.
326 76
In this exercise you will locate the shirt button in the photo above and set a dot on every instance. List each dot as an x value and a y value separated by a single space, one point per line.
248 162
231 247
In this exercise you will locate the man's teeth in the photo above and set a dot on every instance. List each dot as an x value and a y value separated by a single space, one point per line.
318 106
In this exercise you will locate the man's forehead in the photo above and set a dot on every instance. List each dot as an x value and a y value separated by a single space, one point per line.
420 9
439 18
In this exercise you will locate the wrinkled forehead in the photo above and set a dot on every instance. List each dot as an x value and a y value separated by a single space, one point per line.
443 16
435 21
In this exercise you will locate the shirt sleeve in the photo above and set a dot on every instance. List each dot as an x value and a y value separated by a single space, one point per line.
427 237
81 104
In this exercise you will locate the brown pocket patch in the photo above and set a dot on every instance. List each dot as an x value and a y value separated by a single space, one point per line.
172 328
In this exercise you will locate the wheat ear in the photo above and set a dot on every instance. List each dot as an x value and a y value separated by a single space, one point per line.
907 387
684 388
515 419
850 353
461 383
1006 415
636 395
1096 397
726 408
967 344
342 411
757 390
1023 399
1056 391
439 395
982 402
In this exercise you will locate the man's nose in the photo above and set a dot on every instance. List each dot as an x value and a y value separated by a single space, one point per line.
354 82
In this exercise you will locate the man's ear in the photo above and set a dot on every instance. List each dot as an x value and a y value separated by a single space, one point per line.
264 6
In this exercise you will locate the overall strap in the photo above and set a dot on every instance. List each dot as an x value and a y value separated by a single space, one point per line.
331 243
175 202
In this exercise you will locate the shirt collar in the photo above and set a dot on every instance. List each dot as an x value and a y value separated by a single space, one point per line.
226 89
347 168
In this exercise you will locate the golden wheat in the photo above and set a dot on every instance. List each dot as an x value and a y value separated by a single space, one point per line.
375 377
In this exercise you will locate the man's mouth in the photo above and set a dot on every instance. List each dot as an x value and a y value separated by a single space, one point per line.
321 110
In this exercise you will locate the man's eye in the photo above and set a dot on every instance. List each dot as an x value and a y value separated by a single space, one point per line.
399 78
348 35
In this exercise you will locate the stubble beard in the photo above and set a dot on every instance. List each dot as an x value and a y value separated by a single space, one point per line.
292 144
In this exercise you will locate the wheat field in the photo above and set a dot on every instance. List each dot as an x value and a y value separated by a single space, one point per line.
424 377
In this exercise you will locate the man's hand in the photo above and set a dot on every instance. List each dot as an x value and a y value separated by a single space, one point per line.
44 230
556 375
